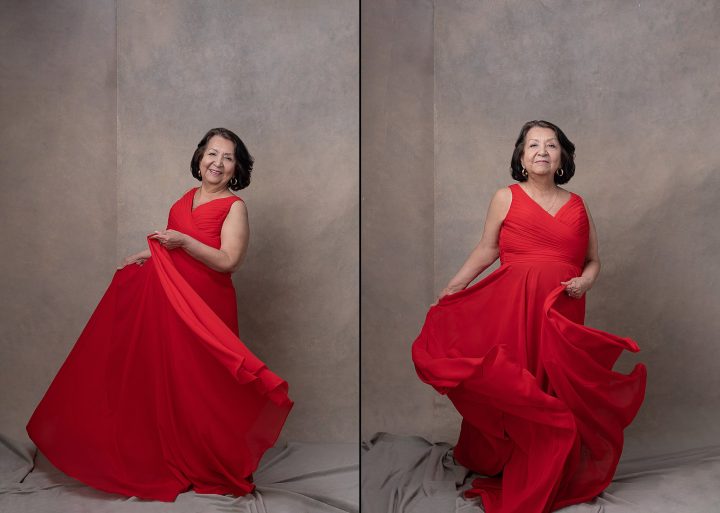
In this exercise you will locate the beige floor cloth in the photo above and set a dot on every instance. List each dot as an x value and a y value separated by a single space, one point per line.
295 478
404 474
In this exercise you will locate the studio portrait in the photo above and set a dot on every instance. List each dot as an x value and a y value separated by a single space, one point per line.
180 275
538 257
388 256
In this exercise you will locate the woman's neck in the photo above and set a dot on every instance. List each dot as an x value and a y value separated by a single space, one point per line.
211 190
544 185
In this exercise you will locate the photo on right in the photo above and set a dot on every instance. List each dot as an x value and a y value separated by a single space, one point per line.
538 265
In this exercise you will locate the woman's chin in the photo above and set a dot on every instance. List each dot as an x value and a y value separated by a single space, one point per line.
541 173
215 181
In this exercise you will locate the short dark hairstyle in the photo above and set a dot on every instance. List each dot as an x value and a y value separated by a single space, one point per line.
567 152
243 159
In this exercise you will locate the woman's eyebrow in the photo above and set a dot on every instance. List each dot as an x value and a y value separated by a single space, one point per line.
215 149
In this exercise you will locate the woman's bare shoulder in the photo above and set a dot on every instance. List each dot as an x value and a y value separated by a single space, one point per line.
503 194
238 206
500 203
502 198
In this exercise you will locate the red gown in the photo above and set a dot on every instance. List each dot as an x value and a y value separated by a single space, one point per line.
540 402
159 395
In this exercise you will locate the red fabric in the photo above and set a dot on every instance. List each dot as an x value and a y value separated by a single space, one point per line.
159 395
539 399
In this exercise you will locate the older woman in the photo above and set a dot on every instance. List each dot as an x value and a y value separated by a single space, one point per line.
159 395
540 402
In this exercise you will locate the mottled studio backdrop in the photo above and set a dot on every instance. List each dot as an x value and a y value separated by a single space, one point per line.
102 105
446 86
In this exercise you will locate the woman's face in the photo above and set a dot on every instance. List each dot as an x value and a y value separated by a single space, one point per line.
217 166
541 153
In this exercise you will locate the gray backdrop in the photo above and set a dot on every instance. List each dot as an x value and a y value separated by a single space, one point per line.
635 86
103 103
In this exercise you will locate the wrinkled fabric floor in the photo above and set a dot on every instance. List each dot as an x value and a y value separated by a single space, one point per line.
405 474
296 478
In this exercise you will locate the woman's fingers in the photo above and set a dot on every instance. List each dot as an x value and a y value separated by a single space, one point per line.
572 288
161 237
167 238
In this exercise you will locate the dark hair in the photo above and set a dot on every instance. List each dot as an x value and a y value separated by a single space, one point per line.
567 152
243 160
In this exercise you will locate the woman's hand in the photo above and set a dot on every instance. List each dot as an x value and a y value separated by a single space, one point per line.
137 258
171 239
576 287
450 289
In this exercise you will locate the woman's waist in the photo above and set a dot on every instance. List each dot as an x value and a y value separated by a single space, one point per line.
540 263
541 258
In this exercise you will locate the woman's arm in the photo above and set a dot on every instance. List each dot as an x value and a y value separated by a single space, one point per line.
234 237
487 250
578 286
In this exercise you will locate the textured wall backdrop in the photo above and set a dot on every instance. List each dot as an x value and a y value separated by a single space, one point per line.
281 74
397 207
59 186
635 86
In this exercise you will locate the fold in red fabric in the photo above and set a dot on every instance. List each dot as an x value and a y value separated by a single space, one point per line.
159 395
543 411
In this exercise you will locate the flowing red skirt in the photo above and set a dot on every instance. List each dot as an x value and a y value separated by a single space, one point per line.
159 395
540 402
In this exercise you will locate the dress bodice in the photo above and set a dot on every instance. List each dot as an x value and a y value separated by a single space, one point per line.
203 223
530 234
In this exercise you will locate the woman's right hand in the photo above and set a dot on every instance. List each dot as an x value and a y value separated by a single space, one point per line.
447 291
137 258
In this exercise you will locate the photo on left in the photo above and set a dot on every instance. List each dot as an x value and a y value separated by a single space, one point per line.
180 279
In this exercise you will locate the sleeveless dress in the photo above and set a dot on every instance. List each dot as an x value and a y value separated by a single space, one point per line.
159 395
540 402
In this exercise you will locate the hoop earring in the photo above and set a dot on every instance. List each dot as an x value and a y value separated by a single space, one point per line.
233 181
560 172
523 172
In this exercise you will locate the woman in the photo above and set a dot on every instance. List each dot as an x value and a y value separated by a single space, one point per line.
159 395
540 402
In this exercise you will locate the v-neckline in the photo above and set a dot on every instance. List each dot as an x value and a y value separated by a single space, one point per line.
554 216
192 200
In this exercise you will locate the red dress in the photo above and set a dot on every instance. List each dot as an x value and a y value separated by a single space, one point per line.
539 399
159 395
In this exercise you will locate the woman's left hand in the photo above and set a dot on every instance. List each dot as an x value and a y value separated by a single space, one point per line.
576 287
171 239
